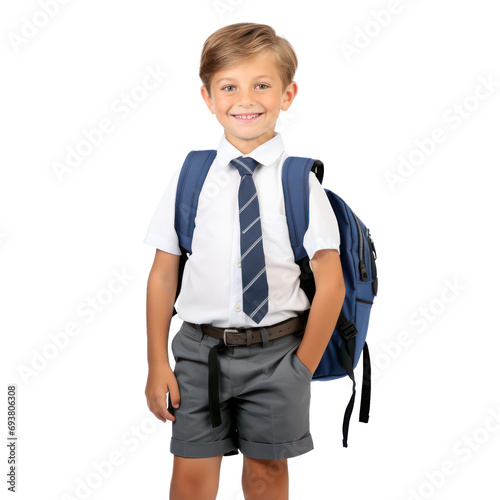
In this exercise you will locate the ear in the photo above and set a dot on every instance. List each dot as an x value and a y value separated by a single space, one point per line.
206 97
289 95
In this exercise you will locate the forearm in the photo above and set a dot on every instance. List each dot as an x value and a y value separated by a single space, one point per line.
159 307
323 315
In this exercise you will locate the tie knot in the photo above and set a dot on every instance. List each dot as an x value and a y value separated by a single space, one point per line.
245 166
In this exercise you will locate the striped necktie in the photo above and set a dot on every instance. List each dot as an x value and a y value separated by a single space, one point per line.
253 264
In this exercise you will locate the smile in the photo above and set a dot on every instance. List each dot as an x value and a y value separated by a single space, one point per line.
247 118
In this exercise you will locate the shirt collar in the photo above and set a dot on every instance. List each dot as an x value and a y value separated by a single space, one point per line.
265 154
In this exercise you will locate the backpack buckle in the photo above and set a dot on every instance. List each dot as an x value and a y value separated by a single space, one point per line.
348 330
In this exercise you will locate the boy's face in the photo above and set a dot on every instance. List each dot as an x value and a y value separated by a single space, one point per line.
250 88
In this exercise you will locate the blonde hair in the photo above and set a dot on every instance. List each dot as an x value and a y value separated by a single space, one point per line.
240 42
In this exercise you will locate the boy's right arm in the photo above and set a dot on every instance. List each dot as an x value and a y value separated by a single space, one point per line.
161 289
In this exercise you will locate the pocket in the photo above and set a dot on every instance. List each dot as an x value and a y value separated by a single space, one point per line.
172 344
275 233
191 332
301 366
186 344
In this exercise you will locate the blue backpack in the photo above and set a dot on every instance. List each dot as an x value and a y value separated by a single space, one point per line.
357 256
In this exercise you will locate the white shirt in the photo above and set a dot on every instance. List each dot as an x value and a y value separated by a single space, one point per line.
211 291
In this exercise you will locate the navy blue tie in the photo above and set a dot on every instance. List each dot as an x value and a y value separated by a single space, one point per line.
253 264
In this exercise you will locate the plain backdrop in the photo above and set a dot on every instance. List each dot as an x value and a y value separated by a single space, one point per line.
400 100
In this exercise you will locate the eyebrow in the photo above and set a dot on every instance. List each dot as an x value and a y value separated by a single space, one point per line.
257 77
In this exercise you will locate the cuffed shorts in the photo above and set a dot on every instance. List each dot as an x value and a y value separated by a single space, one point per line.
264 394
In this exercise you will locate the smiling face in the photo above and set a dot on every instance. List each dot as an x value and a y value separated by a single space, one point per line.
238 93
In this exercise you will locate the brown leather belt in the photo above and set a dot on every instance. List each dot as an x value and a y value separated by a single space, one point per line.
247 336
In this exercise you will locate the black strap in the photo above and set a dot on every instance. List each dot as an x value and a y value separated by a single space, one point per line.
347 349
347 364
213 382
366 390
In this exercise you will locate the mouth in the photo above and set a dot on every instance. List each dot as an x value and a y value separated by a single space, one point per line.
247 117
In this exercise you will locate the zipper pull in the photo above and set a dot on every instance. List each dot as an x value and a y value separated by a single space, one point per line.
363 271
371 244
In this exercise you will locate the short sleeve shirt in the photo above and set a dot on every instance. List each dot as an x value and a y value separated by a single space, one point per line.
211 291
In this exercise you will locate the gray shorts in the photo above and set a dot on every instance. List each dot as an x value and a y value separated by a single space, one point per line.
264 395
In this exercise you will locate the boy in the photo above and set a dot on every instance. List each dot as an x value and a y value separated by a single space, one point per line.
240 299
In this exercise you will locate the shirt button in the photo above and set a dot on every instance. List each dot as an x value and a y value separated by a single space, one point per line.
238 263
237 307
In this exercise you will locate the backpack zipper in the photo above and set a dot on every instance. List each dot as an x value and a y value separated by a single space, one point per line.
362 266
372 245
373 257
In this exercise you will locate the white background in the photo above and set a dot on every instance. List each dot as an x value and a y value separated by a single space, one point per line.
62 237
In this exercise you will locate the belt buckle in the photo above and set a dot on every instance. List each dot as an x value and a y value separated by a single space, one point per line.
230 330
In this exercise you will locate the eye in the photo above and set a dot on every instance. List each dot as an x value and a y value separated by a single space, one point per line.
227 86
265 84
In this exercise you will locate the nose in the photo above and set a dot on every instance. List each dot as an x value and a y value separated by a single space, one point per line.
245 97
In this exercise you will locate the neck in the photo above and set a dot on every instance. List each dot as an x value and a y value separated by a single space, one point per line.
246 146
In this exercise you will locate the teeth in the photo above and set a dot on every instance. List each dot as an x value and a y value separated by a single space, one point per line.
247 117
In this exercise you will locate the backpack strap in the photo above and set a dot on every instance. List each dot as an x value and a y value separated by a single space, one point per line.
346 357
348 332
191 178
364 410
295 180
